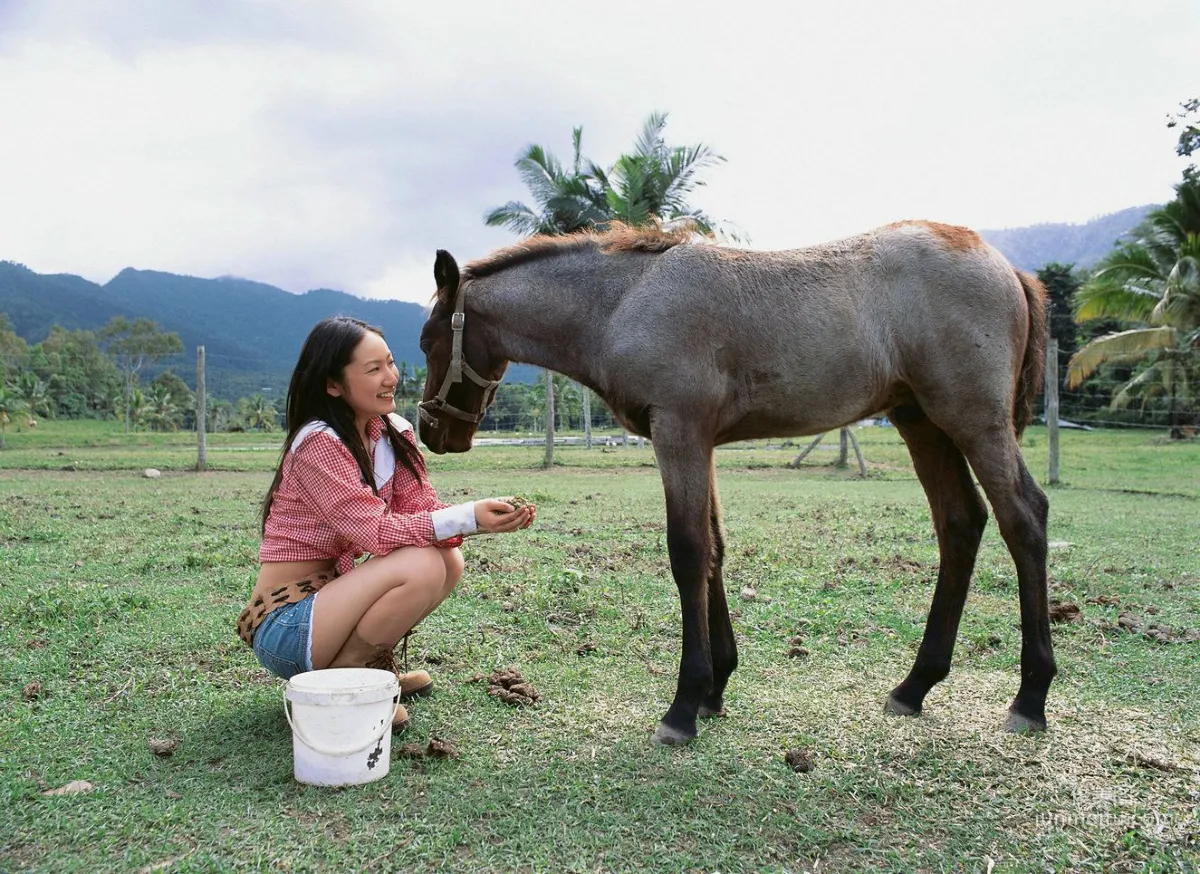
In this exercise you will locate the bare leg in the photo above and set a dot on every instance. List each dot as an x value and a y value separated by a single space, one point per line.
959 517
380 600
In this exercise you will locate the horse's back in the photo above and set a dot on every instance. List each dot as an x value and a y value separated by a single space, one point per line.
802 340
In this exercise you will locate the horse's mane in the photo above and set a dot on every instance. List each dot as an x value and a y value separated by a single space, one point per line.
616 238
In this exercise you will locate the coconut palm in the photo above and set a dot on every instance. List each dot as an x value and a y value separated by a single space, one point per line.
1154 281
655 180
32 392
10 407
564 202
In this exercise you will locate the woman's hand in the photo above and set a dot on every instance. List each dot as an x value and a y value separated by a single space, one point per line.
496 516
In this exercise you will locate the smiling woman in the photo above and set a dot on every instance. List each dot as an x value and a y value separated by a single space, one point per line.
352 481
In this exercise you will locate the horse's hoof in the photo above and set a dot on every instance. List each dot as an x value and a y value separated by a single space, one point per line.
1018 723
899 708
706 712
666 736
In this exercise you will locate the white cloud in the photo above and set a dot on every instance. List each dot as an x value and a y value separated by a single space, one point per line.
339 145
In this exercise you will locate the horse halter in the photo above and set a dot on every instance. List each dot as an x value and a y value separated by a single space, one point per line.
430 410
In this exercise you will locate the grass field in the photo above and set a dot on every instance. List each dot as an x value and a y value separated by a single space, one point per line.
118 595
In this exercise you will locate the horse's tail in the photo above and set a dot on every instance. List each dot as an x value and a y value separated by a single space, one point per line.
1033 367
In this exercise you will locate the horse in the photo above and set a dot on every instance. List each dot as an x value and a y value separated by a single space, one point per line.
694 345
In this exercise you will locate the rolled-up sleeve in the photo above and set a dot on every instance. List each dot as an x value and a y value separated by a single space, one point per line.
326 474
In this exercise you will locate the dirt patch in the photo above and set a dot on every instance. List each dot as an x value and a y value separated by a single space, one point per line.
509 686
32 691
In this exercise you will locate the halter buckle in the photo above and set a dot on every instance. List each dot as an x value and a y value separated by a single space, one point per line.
456 321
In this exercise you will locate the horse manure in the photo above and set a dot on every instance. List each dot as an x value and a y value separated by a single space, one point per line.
32 691
435 749
797 652
510 687
1064 611
799 760
163 747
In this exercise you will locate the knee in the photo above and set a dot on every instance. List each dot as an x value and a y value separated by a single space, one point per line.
453 561
416 566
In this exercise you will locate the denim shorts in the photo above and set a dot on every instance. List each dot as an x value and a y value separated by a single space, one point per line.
283 642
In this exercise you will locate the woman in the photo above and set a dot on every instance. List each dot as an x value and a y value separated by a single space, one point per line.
352 481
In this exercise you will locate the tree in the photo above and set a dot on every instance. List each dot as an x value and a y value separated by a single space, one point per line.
258 413
10 408
1152 281
654 181
82 381
563 202
132 344
31 392
14 351
1187 118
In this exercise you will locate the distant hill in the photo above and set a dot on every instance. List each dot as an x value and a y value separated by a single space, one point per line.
1083 245
252 331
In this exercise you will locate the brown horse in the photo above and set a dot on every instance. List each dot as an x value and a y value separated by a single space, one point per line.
696 345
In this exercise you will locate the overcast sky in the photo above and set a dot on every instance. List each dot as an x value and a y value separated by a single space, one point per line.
339 144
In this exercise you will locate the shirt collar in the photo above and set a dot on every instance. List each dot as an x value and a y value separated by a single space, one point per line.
374 428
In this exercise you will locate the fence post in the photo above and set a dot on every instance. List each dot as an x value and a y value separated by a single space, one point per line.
549 462
201 412
1052 406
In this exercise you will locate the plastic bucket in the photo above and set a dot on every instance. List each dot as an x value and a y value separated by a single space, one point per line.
341 721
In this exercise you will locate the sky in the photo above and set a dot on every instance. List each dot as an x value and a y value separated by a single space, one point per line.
339 144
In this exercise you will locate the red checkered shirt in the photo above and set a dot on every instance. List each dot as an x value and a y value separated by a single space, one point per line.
323 509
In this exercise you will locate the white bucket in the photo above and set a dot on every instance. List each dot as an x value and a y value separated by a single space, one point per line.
341 721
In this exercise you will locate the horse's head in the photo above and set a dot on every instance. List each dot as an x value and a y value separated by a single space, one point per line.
453 407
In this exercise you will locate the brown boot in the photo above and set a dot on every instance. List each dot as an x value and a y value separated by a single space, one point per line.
358 653
400 720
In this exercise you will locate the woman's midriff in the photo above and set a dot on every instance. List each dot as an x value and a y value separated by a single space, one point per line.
273 574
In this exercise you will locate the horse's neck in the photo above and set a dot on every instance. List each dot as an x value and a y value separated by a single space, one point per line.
534 321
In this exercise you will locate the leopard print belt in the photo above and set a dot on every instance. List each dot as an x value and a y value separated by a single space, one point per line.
289 593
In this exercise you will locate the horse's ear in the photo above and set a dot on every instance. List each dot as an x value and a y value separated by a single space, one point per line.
445 271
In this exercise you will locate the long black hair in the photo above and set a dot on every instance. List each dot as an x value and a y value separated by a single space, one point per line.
324 356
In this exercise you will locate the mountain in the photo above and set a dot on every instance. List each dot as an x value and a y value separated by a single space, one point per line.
251 331
1033 247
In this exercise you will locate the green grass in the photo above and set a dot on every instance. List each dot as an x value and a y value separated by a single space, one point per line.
118 594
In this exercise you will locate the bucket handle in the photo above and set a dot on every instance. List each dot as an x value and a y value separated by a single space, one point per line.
387 725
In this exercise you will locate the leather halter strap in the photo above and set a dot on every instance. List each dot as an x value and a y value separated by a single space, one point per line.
431 410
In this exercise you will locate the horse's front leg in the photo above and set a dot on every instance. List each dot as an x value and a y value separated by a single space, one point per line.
683 462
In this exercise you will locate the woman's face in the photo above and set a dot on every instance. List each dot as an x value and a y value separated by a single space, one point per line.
369 381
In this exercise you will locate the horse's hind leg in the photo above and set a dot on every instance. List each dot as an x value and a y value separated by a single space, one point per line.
1021 511
722 642
959 516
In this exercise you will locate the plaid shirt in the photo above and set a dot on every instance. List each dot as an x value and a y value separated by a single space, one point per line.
323 509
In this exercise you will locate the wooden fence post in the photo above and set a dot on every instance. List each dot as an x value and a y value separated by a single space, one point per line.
201 412
1052 406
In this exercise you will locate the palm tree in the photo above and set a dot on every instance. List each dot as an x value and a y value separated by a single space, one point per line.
10 406
1153 281
564 202
653 182
32 392
161 412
